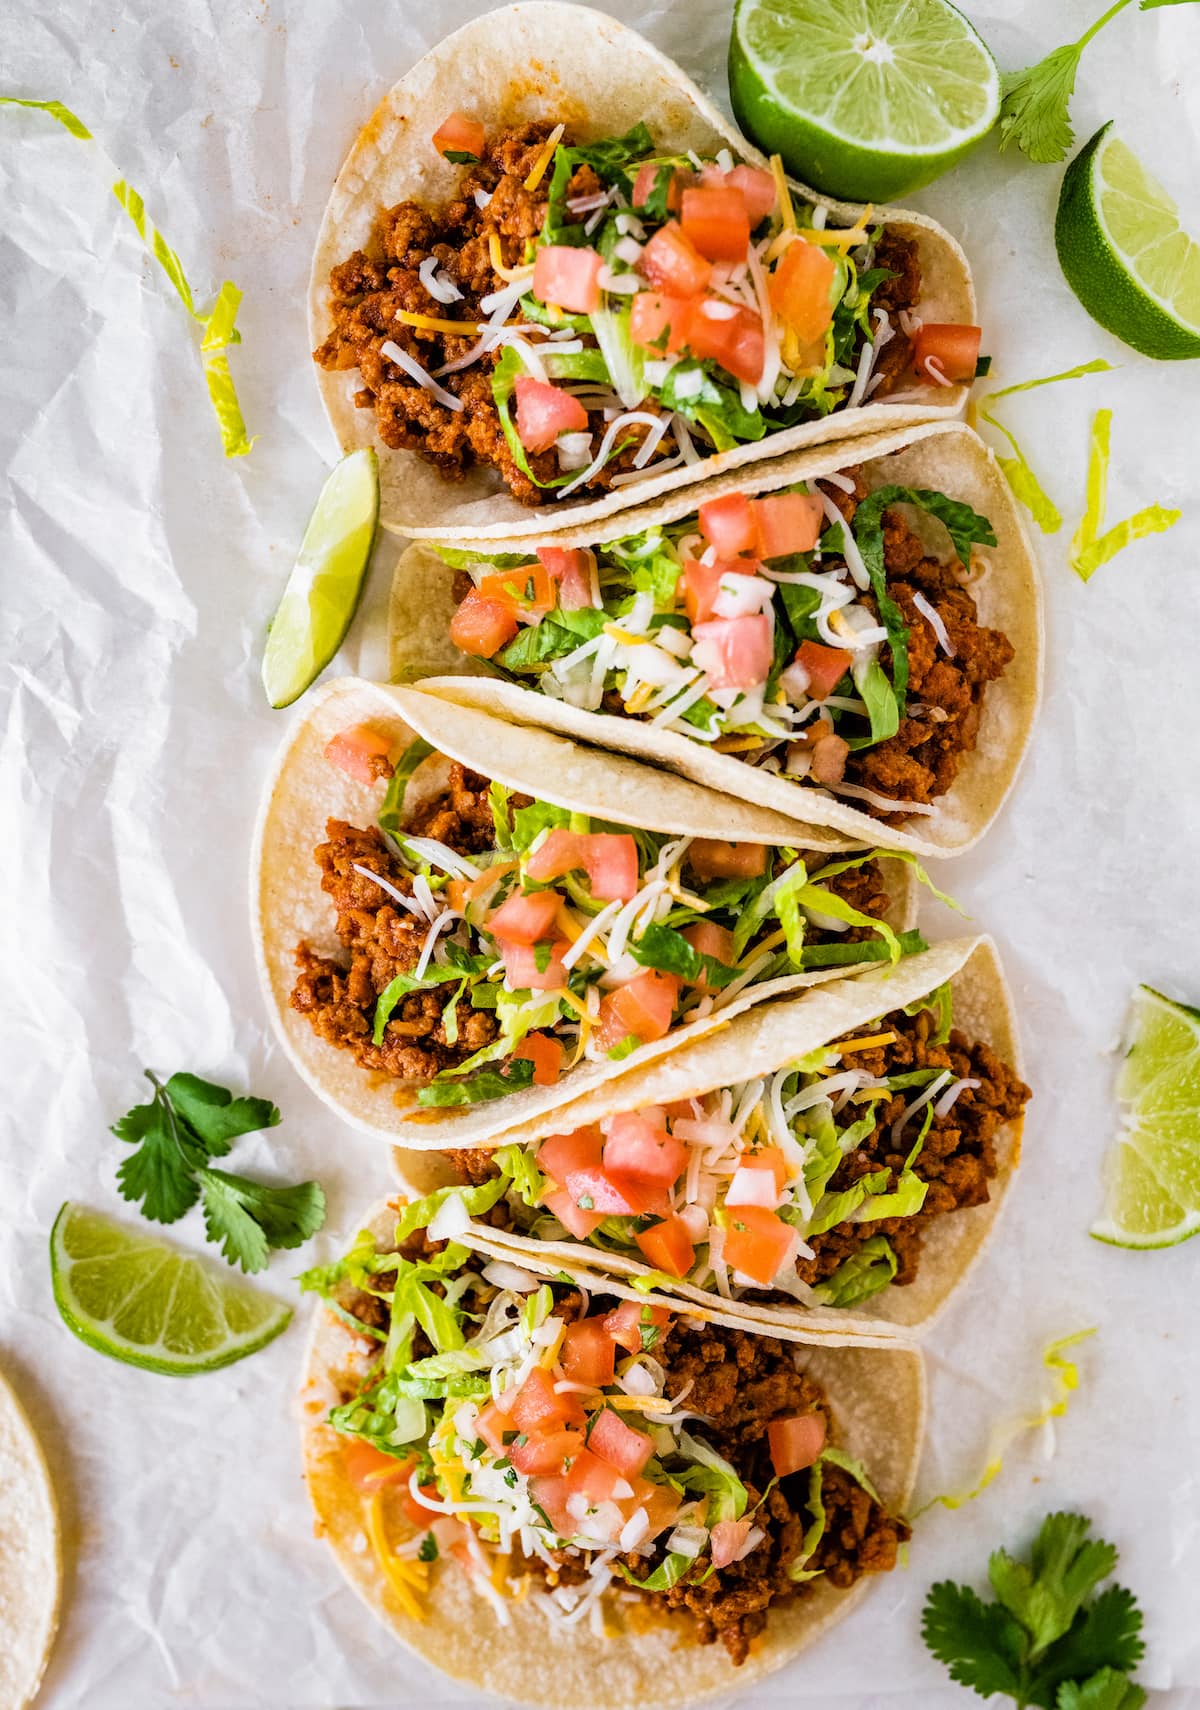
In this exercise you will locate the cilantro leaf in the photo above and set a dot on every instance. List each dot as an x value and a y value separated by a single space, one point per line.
1107 1689
159 1173
214 1116
246 1219
1045 1594
1107 1634
979 1642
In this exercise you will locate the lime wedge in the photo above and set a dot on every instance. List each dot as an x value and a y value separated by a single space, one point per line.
1125 254
147 1303
1153 1171
865 99
322 593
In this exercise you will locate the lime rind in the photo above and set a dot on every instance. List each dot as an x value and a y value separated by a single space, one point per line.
326 582
147 1303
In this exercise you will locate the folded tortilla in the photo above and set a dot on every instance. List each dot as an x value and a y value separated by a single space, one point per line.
758 1042
288 905
569 63
945 456
878 1403
30 1556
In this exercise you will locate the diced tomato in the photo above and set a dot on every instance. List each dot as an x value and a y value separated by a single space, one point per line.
571 568
643 1007
544 412
727 1538
659 1501
460 135
667 1246
550 1494
712 858
757 188
659 323
638 1144
598 1189
568 276
770 1158
787 522
757 1243
357 752
954 348
647 177
701 584
415 1511
368 1467
588 1352
717 221
546 1055
551 1452
626 1322
595 1478
734 653
708 939
796 1443
525 919
609 858
619 1444
491 1426
572 1217
560 1154
673 264
539 1407
528 590
826 666
801 290
521 971
728 524
734 340
751 1186
482 627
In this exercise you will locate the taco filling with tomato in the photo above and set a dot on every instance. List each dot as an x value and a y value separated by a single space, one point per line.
816 1183
577 1455
491 940
580 317
823 633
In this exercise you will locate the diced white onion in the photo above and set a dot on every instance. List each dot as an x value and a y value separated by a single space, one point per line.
450 1219
574 450
482 198
628 250
503 1275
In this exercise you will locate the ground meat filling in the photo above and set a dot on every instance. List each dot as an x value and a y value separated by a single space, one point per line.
367 289
958 1158
945 695
382 940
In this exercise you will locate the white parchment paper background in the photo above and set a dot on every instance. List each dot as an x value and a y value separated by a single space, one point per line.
139 571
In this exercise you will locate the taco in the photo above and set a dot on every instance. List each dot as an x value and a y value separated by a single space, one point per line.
846 1150
30 1556
551 275
564 1494
462 922
850 635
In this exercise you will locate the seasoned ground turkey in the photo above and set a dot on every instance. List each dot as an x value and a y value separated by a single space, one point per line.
739 1383
367 289
381 939
945 695
958 1159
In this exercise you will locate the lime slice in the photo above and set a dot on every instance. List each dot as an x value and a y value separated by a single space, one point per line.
322 593
1125 255
147 1303
865 99
1153 1172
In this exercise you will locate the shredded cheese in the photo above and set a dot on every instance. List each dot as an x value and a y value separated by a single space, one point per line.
787 212
510 274
847 237
408 1579
429 323
544 159
867 1042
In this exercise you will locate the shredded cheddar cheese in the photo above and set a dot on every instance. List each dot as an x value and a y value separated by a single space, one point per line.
509 274
848 237
409 1580
428 323
544 159
868 1042
787 212
623 636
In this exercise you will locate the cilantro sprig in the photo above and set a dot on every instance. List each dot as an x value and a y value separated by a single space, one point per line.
186 1124
1046 1641
1035 112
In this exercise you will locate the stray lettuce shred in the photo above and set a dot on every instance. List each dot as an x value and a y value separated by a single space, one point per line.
1089 547
218 326
1065 1381
1017 471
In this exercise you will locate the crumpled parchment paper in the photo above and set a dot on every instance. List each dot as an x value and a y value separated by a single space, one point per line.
139 572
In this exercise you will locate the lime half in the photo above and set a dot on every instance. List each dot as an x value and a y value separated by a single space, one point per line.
865 99
1125 254
322 593
147 1303
1153 1171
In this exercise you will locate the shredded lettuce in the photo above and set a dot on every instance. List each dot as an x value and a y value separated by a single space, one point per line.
420 1213
712 1476
399 987
865 1273
218 326
1026 487
517 1167
1089 548
391 812
487 1084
